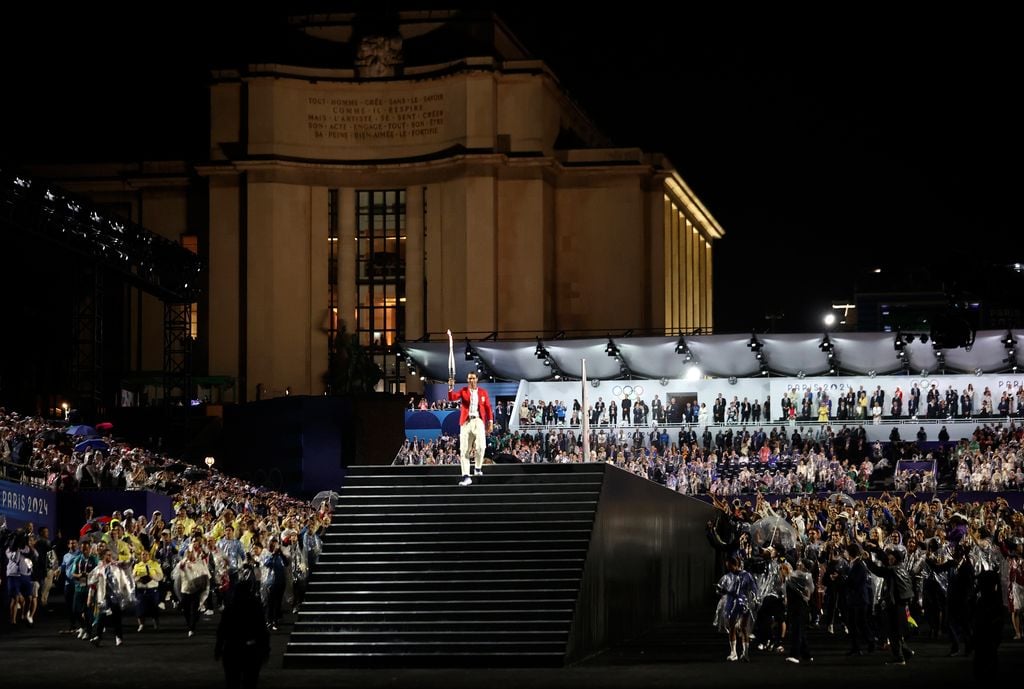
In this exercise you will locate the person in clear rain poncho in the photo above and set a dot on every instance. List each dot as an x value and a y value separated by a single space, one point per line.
191 583
274 565
308 552
111 591
799 587
771 605
897 593
735 613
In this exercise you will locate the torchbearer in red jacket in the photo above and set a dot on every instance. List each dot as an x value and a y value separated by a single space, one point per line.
476 418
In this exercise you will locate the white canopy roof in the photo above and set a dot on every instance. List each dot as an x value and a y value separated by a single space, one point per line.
718 356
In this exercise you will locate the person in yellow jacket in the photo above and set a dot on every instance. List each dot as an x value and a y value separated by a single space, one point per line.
183 521
147 574
226 519
114 540
133 539
248 533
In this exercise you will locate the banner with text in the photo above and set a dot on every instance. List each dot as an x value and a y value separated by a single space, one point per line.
20 504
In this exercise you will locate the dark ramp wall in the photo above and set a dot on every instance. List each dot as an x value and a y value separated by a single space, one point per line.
649 562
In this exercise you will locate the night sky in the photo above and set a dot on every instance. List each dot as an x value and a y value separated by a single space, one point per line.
869 140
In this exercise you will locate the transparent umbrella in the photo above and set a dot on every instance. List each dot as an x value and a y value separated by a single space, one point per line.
329 495
773 531
842 498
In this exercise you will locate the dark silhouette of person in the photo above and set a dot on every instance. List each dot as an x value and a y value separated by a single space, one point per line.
799 587
987 620
858 601
243 642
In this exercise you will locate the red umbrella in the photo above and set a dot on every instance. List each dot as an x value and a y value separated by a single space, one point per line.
90 524
105 426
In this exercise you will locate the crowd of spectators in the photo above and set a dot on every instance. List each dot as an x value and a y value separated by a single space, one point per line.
915 480
818 404
882 571
422 404
224 535
727 461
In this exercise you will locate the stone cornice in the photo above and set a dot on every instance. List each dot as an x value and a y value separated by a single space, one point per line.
357 173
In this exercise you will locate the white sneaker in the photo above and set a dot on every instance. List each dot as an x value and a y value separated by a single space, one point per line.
465 481
161 605
732 656
793 660
118 641
478 472
140 627
208 612
28 616
191 634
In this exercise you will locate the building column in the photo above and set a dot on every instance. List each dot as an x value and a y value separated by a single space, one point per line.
227 306
347 260
656 212
415 291
709 321
481 257
319 318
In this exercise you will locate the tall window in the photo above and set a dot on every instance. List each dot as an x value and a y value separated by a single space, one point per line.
380 279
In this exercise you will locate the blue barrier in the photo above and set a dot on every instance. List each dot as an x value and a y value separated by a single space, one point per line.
20 503
63 512
429 425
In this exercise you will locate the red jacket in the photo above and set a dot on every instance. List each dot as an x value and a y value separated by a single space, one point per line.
483 403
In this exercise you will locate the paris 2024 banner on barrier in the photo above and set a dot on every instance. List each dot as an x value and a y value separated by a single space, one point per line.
21 503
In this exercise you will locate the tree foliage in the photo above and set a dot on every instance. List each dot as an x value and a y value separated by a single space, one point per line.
352 368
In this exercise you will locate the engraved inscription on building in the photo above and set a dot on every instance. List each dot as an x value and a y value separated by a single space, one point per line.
376 119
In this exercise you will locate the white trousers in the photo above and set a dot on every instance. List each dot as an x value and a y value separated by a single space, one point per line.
472 436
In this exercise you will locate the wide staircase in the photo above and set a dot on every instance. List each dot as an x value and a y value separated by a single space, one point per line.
418 571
